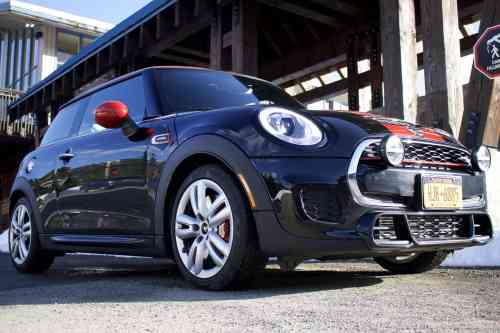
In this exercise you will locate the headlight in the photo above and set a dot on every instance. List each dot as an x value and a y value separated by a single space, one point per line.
482 158
290 127
393 150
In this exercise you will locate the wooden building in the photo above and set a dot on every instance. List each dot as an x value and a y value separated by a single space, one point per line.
298 45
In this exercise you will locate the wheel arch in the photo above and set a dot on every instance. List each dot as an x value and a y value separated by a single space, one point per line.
198 151
22 189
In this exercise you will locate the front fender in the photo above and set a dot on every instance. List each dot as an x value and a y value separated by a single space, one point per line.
224 151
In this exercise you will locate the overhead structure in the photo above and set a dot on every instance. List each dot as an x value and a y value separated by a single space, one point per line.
314 48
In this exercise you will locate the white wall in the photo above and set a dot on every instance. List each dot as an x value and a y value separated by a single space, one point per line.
488 255
48 52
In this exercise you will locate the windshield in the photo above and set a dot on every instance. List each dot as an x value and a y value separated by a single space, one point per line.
185 90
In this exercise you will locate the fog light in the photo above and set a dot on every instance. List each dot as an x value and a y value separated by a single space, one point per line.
482 159
393 150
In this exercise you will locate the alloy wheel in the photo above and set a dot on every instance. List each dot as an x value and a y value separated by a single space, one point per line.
20 234
204 228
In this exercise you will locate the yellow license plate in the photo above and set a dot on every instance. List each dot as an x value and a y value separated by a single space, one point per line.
442 192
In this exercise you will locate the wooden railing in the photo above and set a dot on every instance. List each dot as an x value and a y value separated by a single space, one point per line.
23 127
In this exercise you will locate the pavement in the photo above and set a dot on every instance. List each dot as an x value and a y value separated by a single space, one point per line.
110 294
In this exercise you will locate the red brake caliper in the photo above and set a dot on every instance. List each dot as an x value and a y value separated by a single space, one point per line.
224 231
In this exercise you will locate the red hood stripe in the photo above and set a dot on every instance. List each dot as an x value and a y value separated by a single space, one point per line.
406 132
404 129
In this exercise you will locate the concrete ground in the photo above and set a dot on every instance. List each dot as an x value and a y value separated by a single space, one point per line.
107 294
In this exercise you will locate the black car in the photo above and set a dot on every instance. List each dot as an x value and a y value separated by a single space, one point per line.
221 171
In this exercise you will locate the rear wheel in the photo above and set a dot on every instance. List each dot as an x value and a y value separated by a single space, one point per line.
25 250
214 243
413 263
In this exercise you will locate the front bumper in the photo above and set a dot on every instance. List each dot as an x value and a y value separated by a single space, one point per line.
315 215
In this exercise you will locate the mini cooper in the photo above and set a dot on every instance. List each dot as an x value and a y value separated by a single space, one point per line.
221 171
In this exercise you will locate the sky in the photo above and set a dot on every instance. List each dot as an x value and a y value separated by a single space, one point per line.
112 11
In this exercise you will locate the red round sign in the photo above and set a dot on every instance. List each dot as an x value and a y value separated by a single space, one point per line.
487 52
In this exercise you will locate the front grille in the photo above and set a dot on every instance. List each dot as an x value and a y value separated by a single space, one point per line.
438 155
425 156
439 227
320 203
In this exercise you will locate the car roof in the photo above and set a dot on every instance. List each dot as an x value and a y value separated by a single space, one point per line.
144 70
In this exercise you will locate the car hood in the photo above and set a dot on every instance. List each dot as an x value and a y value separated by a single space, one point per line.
343 131
375 125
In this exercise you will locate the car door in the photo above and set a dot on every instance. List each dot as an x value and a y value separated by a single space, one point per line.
41 168
103 181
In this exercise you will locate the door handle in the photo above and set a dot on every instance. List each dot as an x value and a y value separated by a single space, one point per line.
67 156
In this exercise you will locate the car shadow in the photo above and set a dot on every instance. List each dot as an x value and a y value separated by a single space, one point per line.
91 279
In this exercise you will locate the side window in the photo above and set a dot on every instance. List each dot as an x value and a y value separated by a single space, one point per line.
130 92
62 125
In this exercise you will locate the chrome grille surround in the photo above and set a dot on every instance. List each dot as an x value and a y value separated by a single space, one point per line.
371 147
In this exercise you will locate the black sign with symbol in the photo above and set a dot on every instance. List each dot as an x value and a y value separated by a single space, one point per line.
487 53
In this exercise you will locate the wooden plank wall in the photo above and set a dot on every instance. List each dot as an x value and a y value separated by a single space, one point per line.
398 30
442 61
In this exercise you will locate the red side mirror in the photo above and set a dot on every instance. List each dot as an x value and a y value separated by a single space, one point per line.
112 114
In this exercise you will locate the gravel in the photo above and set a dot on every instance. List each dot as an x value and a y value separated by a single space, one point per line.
107 294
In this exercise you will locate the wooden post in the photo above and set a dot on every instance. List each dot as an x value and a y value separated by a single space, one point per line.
400 58
352 73
376 68
245 37
444 92
481 121
216 39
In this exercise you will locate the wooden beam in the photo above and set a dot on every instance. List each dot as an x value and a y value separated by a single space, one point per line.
161 26
343 7
245 37
481 120
311 58
198 7
319 68
291 35
333 89
183 11
441 37
216 39
302 11
183 60
398 31
376 67
125 46
171 38
142 36
352 73
312 30
463 30
272 43
227 40
191 52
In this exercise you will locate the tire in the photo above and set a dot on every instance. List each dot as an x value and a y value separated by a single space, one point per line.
414 264
29 258
196 236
